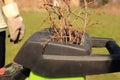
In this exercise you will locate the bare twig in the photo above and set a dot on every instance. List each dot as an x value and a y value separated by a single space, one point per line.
66 32
85 22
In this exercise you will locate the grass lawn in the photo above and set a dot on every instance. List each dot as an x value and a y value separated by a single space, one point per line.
108 28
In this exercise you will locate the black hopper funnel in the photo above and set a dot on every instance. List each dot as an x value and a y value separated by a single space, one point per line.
59 59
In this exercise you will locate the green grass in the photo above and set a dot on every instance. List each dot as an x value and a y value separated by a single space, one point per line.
108 28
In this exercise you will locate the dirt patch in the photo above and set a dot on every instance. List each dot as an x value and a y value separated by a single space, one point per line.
29 4
113 8
37 4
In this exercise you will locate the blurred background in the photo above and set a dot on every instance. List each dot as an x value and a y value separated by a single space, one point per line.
107 15
111 5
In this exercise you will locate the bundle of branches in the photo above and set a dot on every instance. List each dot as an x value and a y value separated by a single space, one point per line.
60 12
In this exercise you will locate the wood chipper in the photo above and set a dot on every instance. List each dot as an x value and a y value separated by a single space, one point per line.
61 61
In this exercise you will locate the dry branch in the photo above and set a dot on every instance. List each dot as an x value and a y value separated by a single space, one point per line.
66 32
85 21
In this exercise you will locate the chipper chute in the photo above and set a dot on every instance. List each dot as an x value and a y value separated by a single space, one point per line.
62 61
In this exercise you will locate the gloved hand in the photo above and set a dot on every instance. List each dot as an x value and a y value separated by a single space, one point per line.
15 22
16 28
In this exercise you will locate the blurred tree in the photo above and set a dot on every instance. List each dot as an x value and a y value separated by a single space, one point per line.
97 2
115 1
101 2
